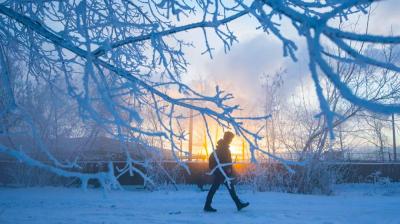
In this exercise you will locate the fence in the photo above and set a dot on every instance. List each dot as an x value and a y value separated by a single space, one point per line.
339 156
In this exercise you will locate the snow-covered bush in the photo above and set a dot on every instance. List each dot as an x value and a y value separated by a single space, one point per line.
314 178
22 175
266 177
377 178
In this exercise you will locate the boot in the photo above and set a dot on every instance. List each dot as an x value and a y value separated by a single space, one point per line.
242 205
208 208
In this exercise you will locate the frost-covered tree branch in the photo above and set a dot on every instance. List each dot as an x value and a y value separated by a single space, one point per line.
113 84
112 61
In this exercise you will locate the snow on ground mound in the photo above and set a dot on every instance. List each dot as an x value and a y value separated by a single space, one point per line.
360 203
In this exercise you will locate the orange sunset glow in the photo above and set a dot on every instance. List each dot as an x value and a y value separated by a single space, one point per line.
202 146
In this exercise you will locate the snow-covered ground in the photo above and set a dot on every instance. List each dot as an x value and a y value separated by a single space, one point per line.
361 203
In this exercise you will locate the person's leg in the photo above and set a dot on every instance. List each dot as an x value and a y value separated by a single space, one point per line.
232 192
210 195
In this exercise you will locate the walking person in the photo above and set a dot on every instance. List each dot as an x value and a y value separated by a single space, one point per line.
224 156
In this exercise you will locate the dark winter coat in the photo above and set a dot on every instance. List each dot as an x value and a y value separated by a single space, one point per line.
224 156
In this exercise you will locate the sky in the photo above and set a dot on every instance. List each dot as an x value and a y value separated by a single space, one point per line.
256 53
239 71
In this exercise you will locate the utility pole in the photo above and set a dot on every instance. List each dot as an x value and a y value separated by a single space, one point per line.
205 143
180 147
394 139
190 134
243 149
341 137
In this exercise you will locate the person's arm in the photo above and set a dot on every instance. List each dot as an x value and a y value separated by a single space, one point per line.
228 159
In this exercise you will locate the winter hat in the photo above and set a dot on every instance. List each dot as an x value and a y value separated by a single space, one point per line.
228 135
